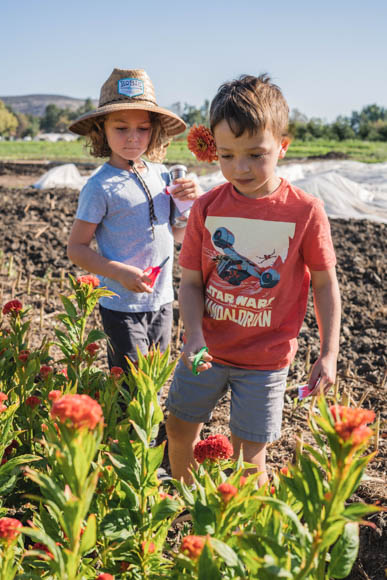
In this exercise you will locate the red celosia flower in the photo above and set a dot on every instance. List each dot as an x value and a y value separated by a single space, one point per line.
116 372
148 547
33 401
12 306
272 490
92 348
9 529
77 410
54 395
24 355
3 397
202 144
351 423
192 546
45 371
42 548
214 447
88 279
227 491
105 576
284 470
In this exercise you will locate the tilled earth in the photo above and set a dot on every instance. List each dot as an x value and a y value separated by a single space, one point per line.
33 235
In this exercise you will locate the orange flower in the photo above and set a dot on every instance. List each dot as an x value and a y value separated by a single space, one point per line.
192 546
242 480
3 397
227 491
77 410
54 395
148 547
9 529
105 576
351 423
88 279
202 144
12 306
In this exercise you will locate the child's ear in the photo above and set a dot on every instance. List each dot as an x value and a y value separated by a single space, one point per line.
285 142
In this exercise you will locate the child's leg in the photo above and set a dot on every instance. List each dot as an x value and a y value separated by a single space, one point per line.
182 438
253 452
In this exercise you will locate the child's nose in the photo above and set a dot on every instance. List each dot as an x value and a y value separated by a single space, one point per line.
242 165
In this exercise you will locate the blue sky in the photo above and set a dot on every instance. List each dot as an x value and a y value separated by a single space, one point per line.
329 58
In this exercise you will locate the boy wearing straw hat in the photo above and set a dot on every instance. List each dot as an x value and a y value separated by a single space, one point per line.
124 205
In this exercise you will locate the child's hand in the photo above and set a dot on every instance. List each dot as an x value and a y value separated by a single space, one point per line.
186 189
323 375
134 279
191 348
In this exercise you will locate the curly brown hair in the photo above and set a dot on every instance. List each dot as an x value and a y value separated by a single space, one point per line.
97 143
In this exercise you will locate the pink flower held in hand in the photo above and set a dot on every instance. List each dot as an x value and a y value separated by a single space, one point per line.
78 411
192 546
92 348
33 401
88 279
54 395
202 144
213 448
9 529
227 491
12 306
116 372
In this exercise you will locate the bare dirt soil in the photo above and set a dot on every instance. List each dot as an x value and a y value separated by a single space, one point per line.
33 235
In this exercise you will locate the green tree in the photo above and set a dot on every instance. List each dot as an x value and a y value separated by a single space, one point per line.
51 117
8 121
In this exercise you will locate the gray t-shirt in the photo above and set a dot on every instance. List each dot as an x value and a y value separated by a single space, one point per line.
116 201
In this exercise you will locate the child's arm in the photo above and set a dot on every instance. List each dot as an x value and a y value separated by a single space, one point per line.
188 190
80 253
191 301
327 307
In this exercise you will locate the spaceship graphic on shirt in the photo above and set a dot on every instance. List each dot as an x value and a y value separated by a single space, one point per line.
247 248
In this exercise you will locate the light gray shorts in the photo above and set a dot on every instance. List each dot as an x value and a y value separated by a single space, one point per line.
257 398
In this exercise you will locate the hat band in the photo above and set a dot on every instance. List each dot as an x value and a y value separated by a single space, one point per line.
133 100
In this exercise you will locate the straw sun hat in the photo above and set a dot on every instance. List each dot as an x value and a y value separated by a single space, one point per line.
125 90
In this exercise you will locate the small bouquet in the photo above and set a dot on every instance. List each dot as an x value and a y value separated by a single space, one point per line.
202 144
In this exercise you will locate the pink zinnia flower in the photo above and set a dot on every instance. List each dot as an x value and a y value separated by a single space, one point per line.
9 529
54 395
202 144
227 491
45 371
192 546
116 372
77 410
214 447
12 306
88 279
33 401
92 348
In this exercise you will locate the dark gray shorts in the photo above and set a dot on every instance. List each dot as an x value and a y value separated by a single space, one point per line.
129 330
257 398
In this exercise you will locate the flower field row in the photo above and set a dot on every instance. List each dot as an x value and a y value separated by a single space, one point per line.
80 494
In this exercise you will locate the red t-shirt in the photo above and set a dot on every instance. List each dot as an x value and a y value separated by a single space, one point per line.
255 256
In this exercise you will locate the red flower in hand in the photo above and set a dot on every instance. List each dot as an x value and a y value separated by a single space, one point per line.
213 448
78 411
202 144
88 279
12 306
9 529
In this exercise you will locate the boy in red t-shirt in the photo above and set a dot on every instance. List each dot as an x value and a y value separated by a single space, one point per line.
251 247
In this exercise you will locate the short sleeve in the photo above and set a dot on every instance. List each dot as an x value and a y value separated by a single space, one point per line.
317 246
191 251
92 206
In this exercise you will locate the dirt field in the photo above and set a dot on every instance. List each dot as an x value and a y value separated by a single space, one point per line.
33 235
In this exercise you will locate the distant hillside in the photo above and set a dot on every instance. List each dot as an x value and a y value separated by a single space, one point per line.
36 104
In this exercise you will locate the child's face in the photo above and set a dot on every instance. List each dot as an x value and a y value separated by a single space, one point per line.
249 161
128 134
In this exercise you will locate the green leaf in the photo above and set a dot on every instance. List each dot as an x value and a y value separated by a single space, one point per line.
204 519
89 536
95 335
227 554
207 568
357 511
344 552
69 307
163 510
117 525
